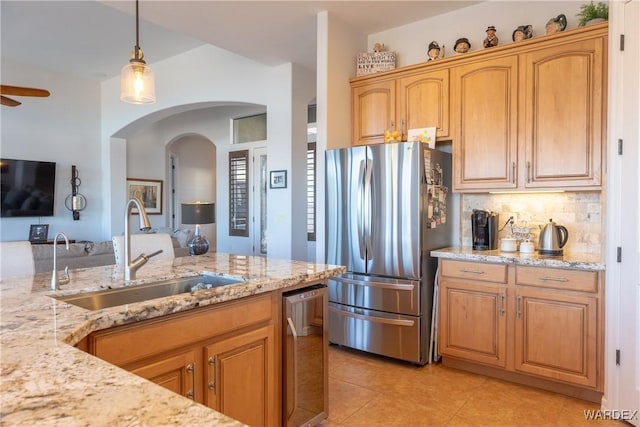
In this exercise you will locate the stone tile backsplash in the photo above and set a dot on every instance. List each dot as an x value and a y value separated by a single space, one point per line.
580 212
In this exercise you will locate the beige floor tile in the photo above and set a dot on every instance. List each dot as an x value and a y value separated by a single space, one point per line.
385 411
368 390
345 399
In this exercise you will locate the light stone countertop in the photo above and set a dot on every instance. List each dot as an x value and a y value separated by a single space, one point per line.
45 381
578 261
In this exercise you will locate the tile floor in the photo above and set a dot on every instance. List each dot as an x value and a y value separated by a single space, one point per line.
366 390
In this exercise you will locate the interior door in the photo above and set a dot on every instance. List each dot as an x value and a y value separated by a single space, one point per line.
629 326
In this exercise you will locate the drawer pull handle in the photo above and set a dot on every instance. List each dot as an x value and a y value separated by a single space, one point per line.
465 270
554 279
502 308
518 310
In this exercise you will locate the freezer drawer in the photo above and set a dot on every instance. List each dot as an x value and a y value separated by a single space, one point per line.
387 334
376 293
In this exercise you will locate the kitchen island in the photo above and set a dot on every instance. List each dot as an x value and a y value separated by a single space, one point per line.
45 380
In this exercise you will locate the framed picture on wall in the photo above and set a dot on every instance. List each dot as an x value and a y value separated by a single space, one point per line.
149 191
38 233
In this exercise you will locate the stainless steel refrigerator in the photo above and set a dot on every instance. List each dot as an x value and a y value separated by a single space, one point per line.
387 208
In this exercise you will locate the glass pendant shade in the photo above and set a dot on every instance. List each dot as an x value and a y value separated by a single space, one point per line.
137 83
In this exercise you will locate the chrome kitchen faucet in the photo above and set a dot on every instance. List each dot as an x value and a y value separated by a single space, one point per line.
55 281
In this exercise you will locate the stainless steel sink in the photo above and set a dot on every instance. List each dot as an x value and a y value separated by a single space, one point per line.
138 293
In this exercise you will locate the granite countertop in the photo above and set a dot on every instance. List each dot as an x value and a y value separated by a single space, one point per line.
46 381
579 261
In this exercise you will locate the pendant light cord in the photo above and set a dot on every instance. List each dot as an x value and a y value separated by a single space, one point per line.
137 48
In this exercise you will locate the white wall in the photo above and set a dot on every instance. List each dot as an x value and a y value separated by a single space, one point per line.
213 75
410 41
338 45
63 128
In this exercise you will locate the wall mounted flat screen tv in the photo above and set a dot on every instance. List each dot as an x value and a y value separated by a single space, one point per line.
27 187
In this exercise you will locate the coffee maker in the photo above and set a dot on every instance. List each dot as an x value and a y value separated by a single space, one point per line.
484 230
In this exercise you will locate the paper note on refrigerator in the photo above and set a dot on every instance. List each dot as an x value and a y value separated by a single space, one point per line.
424 135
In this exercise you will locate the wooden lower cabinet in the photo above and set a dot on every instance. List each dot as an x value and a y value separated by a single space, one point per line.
540 326
555 336
223 356
177 373
238 376
473 322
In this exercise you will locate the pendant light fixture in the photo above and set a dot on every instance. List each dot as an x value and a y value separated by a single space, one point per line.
137 84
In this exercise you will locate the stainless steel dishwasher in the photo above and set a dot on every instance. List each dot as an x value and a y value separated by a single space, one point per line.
305 355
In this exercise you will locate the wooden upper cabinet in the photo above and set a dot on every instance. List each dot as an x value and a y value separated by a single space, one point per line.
563 89
423 101
485 101
528 115
374 111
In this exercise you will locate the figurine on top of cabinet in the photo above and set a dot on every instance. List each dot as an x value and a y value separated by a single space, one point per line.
492 39
378 47
433 52
555 25
462 45
523 32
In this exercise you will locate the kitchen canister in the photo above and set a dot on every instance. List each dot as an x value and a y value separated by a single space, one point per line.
508 244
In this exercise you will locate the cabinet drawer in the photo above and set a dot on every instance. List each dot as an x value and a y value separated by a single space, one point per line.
475 270
126 344
557 278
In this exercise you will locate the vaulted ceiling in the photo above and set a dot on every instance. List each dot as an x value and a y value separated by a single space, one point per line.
93 39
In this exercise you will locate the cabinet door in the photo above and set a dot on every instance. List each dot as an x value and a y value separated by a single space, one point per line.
240 377
424 102
484 97
556 336
473 322
374 111
178 373
564 95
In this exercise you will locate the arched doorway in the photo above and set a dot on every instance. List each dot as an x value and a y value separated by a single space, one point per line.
192 177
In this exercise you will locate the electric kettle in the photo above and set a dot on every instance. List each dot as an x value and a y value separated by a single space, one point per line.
553 237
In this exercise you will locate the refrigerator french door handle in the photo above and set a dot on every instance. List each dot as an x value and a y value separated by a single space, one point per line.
295 367
367 207
361 207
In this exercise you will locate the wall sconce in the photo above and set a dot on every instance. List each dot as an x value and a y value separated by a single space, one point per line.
75 202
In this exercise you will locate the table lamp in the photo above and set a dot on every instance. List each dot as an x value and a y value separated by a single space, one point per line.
198 213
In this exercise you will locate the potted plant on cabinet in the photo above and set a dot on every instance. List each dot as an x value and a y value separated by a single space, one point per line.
592 13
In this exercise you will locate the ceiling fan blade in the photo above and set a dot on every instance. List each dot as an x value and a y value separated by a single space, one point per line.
23 91
8 101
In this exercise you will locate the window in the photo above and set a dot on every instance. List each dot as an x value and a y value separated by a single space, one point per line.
239 193
250 128
311 191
